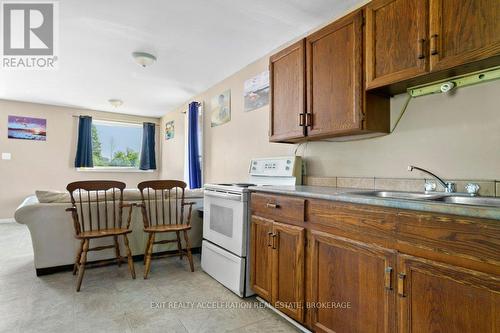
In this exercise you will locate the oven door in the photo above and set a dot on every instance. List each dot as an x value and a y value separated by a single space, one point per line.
225 216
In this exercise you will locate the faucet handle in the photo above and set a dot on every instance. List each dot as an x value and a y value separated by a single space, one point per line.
472 188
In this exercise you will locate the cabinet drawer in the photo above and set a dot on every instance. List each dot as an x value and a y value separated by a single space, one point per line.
278 207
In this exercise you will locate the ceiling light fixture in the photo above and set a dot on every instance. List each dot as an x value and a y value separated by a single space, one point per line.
115 102
143 59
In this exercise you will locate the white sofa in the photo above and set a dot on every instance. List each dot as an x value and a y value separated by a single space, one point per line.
52 231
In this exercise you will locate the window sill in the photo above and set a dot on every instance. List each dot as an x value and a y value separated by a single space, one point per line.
111 169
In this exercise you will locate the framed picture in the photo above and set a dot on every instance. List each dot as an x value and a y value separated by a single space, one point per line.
169 130
220 108
27 128
256 92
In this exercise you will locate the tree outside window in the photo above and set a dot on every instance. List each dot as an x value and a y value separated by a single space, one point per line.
116 144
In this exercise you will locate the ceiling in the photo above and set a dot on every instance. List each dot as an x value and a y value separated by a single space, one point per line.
197 42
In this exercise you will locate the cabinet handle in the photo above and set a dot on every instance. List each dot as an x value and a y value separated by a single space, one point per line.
309 120
401 284
434 49
269 242
274 241
421 54
301 120
388 278
271 205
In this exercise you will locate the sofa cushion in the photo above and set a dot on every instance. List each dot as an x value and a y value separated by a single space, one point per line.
51 196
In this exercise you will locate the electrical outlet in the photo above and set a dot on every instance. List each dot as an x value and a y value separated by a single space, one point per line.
6 156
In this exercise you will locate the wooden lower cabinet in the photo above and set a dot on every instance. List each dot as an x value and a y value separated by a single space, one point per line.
435 297
261 257
277 265
352 285
288 270
338 267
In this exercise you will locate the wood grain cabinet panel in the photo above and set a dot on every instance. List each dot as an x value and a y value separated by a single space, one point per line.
396 41
334 77
361 268
435 297
288 100
462 31
261 257
278 207
352 285
288 270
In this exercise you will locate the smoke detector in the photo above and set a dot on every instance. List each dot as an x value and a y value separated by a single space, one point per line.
143 59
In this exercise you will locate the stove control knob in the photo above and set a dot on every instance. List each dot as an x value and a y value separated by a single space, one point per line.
288 161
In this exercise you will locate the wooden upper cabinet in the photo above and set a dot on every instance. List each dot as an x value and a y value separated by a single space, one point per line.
334 78
463 31
396 40
261 257
288 100
435 297
288 269
352 285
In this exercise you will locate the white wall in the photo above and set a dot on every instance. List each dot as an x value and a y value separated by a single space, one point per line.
50 164
457 136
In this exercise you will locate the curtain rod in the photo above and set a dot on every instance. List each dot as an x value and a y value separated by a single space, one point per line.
116 121
200 105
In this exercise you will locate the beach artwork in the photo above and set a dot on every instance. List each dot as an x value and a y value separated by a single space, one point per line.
27 128
169 130
220 107
256 92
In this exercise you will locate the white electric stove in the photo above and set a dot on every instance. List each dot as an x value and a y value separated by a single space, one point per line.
226 224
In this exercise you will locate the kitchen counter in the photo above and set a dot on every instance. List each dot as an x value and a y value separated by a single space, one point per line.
349 195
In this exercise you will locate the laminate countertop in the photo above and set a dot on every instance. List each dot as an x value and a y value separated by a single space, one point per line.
356 196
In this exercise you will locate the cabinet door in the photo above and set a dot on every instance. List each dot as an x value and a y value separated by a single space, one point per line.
261 259
435 297
396 41
352 286
334 78
288 269
463 31
287 77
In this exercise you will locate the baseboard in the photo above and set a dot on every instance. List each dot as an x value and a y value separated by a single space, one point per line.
107 262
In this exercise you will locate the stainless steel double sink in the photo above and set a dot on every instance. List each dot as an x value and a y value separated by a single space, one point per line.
450 198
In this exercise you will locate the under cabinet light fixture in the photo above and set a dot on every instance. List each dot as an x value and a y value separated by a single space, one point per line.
456 82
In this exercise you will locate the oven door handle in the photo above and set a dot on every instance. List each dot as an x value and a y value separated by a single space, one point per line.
229 196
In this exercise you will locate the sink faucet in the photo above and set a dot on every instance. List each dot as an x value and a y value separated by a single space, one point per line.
449 187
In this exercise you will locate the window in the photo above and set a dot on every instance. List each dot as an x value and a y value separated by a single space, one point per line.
116 144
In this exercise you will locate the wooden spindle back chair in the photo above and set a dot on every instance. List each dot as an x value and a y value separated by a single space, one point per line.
163 211
97 212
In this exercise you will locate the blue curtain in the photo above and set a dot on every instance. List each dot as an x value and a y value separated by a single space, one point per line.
148 156
193 149
83 157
